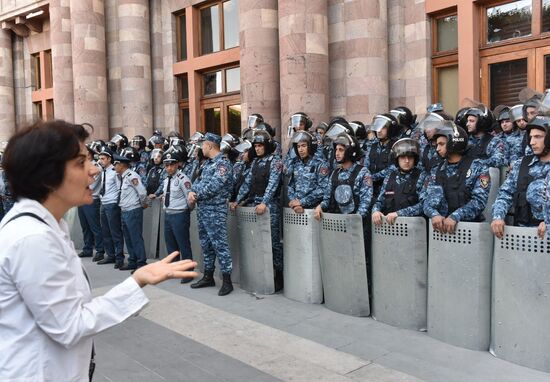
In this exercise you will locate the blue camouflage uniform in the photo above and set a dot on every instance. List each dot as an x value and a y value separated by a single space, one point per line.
133 197
251 195
141 166
358 200
240 172
495 154
429 158
514 142
7 199
547 204
477 184
534 195
415 209
213 189
308 180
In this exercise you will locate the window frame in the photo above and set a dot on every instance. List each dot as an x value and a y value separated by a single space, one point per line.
224 92
219 3
435 34
42 97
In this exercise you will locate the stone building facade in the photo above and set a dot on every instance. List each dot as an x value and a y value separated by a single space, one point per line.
133 66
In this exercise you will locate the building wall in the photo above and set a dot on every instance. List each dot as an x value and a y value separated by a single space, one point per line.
114 61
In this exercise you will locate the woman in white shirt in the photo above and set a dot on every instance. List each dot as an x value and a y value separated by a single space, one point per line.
47 314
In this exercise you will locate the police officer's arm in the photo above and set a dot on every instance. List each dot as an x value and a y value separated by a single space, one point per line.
547 204
316 194
380 202
363 189
184 184
214 185
138 187
160 189
496 151
506 193
287 171
327 189
382 174
479 194
245 187
275 174
433 195
416 209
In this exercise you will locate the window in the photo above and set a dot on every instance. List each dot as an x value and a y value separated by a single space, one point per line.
221 82
447 33
42 85
447 88
219 26
511 20
506 81
183 103
545 15
445 61
181 36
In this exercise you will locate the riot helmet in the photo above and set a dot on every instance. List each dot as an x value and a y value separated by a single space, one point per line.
359 130
484 117
540 122
130 153
96 146
457 138
156 154
243 146
156 142
120 140
112 146
266 127
434 107
404 116
503 114
247 134
352 148
338 126
138 142
532 103
174 154
406 147
264 138
387 121
304 136
254 120
300 119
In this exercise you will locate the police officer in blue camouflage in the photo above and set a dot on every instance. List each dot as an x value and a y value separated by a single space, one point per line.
88 215
546 208
177 214
120 141
426 128
406 120
111 225
308 174
458 188
261 189
139 142
155 175
402 190
196 159
211 192
133 198
524 186
349 189
489 149
511 135
241 168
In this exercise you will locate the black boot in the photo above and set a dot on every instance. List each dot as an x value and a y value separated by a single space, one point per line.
227 286
206 281
279 280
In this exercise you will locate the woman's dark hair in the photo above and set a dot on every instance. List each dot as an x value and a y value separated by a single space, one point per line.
35 157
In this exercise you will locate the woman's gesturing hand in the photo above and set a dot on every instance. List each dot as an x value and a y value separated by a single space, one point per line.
164 269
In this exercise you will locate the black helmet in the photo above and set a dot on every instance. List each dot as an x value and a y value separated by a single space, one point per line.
388 121
504 114
176 141
406 147
338 126
460 117
229 141
359 129
245 145
130 153
174 134
434 107
404 116
196 137
304 136
484 116
120 141
457 138
540 122
267 127
156 140
139 142
262 137
300 117
247 134
174 154
431 121
96 145
535 101
353 149
156 153
254 120
112 146
322 126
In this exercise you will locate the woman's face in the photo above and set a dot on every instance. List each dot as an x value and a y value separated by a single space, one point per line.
79 175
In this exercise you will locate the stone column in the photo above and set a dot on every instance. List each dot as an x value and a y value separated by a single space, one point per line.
113 67
303 55
7 98
397 50
171 109
259 48
89 65
135 67
157 64
366 53
337 58
62 63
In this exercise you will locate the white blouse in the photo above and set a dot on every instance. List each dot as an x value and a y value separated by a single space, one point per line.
47 314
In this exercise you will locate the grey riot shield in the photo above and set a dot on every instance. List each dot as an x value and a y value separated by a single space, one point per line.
75 229
343 264
400 273
521 299
504 171
494 173
234 243
256 255
302 267
151 221
194 239
163 252
459 286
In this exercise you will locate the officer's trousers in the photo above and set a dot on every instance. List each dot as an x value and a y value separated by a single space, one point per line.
132 225
277 246
213 236
176 234
91 228
111 227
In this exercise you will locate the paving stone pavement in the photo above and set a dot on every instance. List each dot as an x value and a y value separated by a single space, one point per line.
195 335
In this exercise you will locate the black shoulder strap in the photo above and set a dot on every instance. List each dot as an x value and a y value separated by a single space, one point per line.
29 214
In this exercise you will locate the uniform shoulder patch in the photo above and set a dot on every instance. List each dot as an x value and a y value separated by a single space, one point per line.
323 170
484 179
187 185
222 169
135 181
367 180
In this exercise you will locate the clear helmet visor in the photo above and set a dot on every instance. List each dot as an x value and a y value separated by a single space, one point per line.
225 147
516 113
430 122
243 146
354 126
335 130
156 154
196 137
253 121
398 114
379 122
405 146
301 136
298 121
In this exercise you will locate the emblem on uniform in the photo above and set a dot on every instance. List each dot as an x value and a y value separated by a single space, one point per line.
367 180
323 170
468 173
222 170
187 185
135 181
484 180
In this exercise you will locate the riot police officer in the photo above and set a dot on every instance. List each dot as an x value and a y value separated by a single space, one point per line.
211 192
109 212
402 191
229 142
138 142
155 175
261 189
458 188
241 168
406 120
511 135
177 212
426 128
308 174
133 198
120 141
524 186
277 150
489 149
